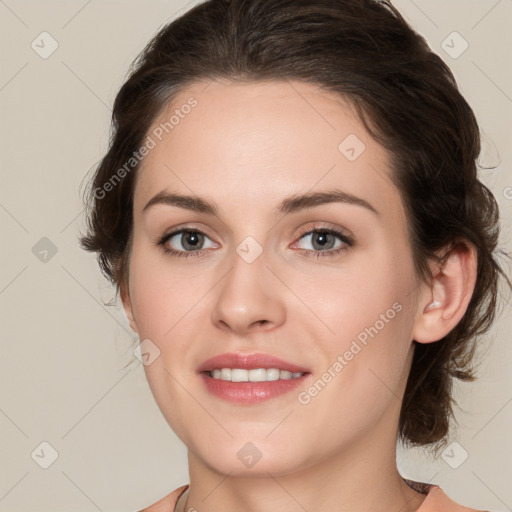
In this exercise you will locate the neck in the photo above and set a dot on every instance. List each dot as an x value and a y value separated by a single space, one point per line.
362 477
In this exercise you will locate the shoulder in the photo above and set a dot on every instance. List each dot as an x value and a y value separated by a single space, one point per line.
167 503
438 501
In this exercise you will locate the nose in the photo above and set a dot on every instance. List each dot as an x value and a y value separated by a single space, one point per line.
249 298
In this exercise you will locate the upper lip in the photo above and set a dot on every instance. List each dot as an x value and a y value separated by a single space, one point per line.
249 361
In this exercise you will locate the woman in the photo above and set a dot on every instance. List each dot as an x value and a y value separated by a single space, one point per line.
291 214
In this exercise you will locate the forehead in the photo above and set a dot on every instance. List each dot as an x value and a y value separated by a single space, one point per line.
259 141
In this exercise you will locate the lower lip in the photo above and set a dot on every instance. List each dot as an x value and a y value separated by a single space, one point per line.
250 392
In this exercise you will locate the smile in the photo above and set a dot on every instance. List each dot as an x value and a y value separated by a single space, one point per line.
254 375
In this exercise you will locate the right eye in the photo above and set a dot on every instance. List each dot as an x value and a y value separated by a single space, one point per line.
188 239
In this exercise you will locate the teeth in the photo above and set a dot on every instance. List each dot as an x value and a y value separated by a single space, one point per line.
255 375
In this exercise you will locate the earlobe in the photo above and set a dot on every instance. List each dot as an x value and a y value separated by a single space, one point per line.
444 304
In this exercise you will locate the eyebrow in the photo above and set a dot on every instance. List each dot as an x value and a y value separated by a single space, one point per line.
289 205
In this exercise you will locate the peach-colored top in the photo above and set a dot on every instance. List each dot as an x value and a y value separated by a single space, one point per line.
436 500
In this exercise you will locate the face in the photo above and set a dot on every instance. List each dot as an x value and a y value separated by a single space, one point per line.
325 284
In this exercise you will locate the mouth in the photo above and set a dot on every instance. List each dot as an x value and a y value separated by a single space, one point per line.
253 374
250 378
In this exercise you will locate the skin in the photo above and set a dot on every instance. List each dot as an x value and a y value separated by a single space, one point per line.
246 147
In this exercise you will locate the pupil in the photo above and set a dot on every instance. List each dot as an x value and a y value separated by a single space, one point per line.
192 239
322 239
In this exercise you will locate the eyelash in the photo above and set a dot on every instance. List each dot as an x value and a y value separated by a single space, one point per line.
348 243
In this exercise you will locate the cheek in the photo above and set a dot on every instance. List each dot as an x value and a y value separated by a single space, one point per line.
370 315
364 374
160 295
366 292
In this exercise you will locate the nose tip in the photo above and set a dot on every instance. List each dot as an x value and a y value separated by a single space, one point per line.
248 298
240 325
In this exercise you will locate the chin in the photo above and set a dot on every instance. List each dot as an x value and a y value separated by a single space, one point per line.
245 458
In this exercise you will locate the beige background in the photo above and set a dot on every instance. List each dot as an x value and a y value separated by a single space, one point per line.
63 350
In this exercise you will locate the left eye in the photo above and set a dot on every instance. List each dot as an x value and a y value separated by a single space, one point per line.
324 240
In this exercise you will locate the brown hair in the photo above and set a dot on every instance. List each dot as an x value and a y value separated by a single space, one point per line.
407 99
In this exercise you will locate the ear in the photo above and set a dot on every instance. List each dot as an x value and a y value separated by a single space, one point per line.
127 305
443 305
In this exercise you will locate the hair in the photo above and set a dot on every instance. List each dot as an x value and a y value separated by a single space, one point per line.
407 99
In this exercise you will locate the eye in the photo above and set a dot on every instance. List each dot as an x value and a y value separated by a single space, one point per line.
190 242
323 240
186 243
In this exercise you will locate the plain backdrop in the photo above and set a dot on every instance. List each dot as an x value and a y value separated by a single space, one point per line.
67 400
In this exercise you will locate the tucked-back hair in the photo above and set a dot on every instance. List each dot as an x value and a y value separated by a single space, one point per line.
405 96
